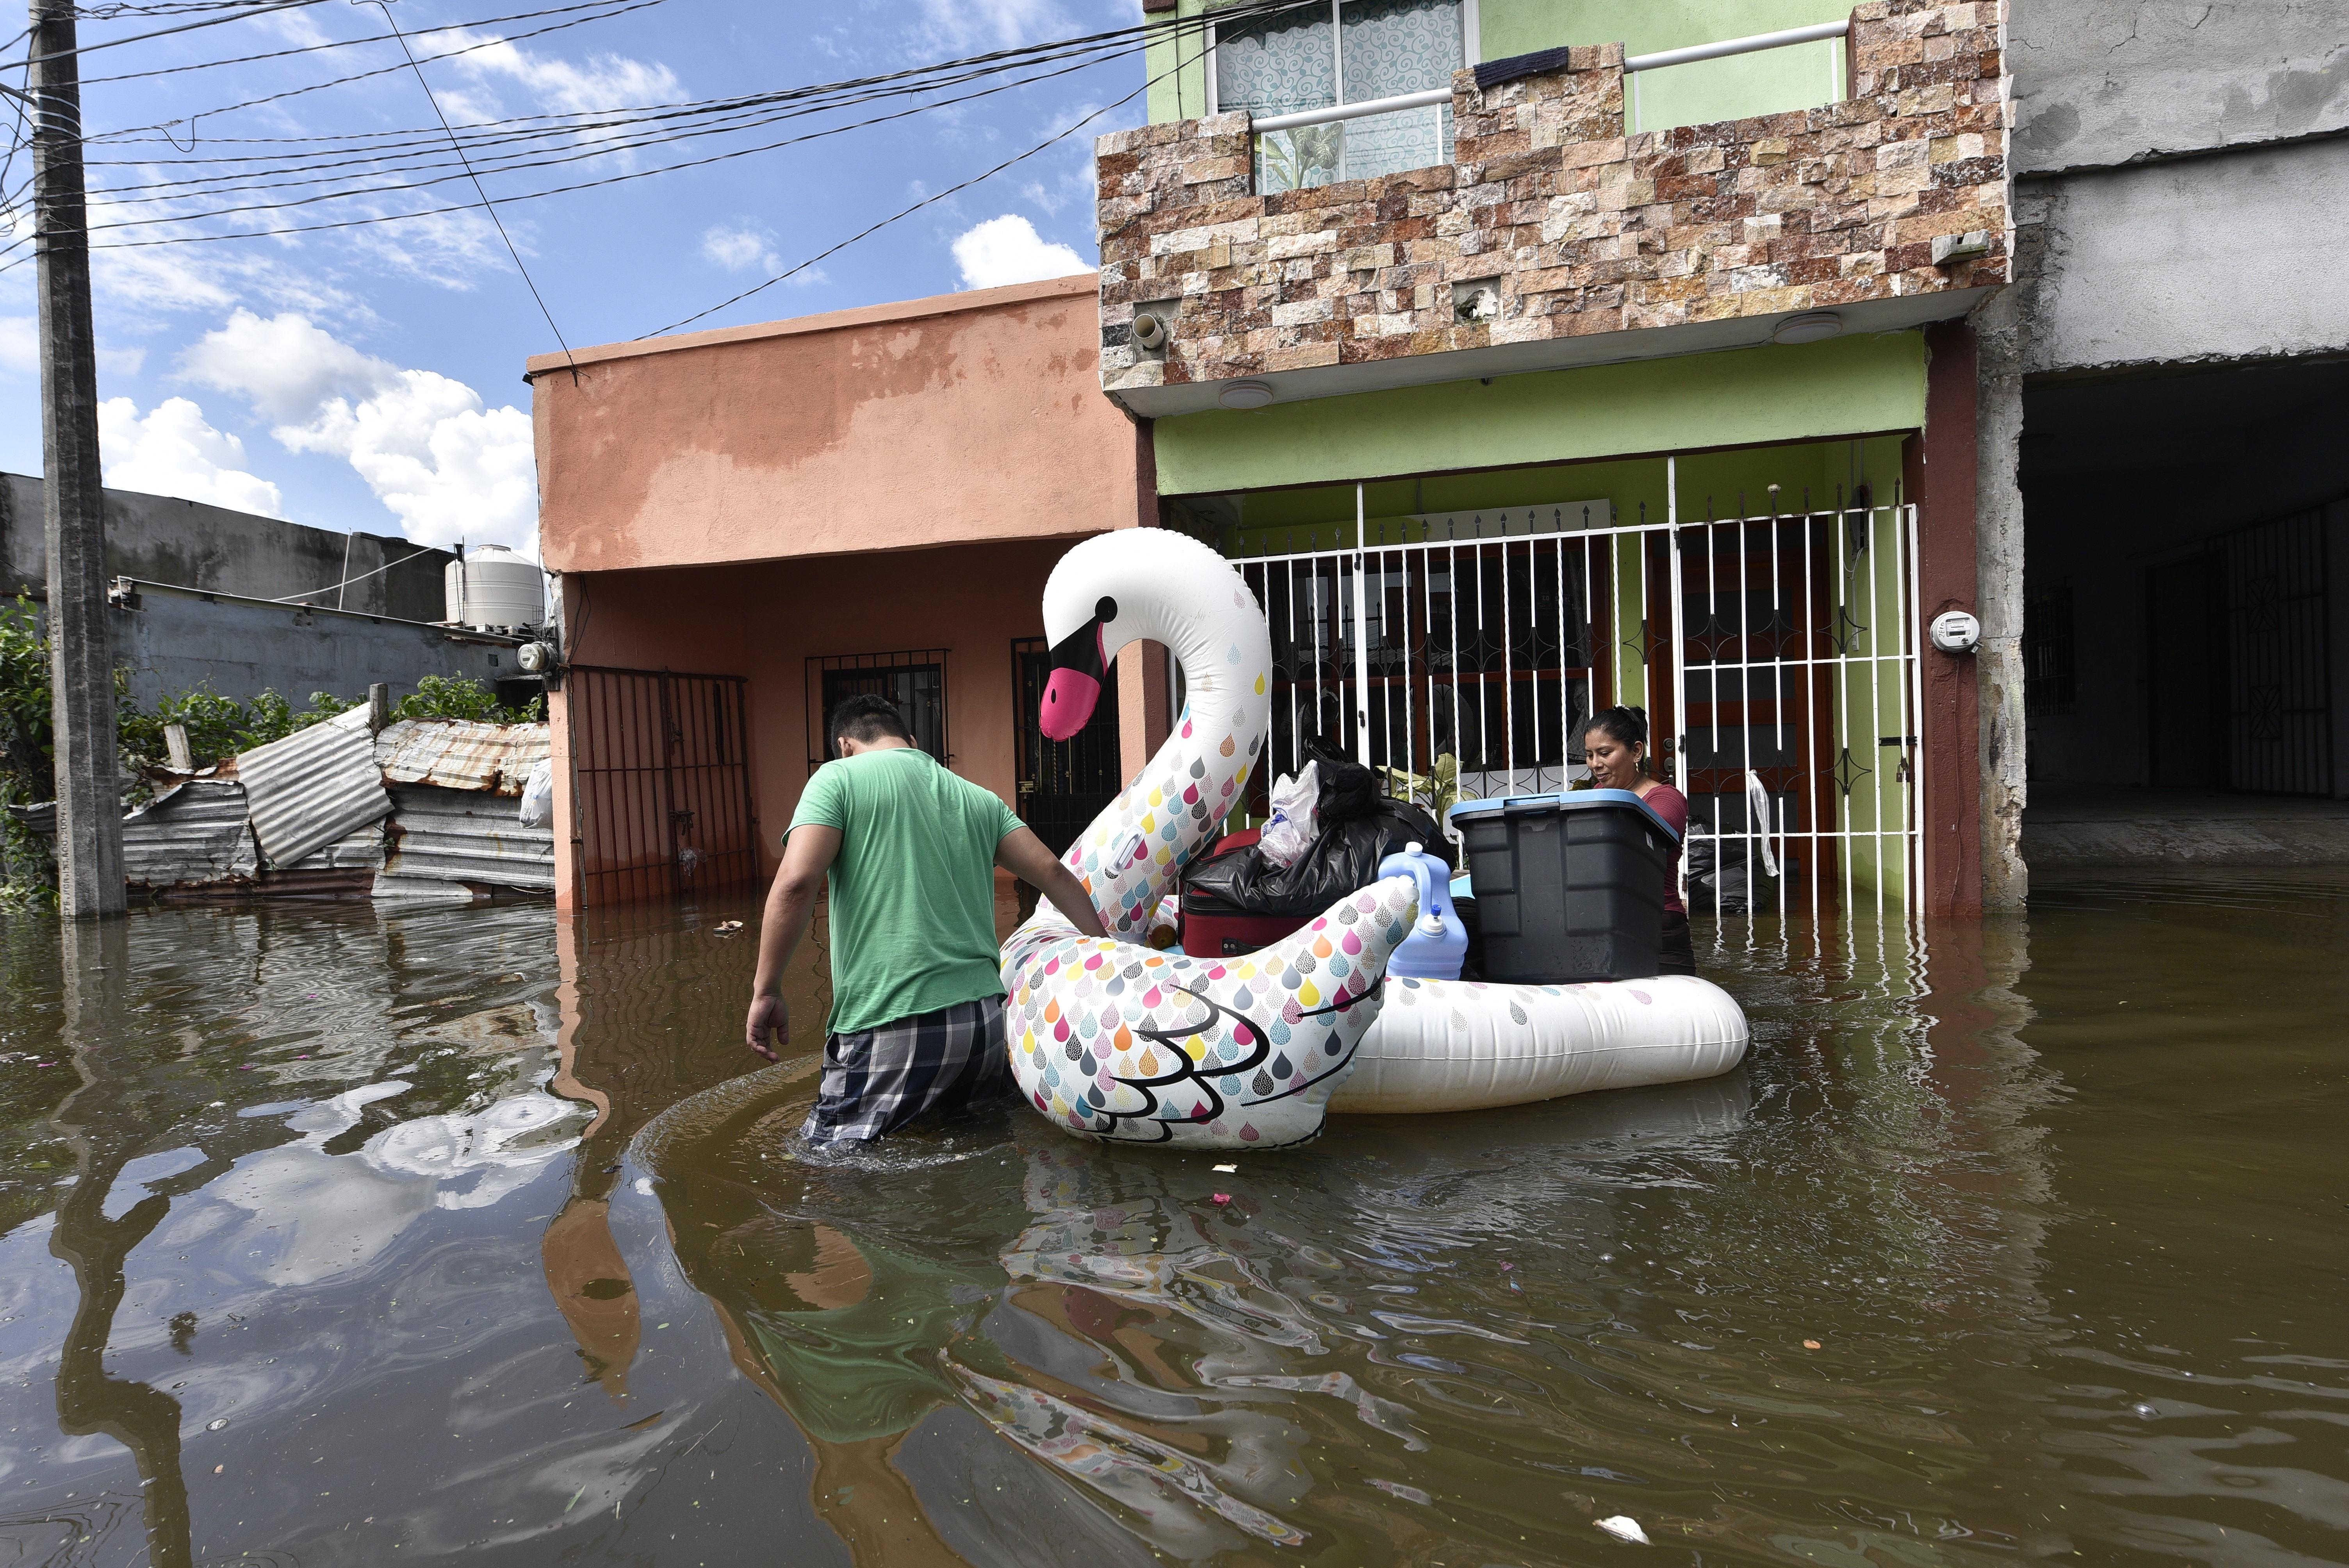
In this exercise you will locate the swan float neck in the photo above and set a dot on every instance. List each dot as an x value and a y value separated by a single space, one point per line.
1109 1038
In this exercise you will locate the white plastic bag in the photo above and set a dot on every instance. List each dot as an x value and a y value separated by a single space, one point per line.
1296 816
538 795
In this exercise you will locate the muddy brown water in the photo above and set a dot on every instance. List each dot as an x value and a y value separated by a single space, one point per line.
329 1236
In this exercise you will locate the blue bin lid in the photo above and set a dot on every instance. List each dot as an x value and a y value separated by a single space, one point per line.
1561 801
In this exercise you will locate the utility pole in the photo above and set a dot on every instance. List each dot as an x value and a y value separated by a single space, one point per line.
81 663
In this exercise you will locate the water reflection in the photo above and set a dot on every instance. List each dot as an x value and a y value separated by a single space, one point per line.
335 1236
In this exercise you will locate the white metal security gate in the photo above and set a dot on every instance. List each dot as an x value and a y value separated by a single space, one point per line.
1777 656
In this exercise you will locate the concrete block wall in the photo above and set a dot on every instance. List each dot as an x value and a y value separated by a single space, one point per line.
1584 230
162 538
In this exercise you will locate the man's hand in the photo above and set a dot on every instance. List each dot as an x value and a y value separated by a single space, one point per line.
768 1012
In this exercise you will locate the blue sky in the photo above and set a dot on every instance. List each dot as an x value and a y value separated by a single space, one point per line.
369 377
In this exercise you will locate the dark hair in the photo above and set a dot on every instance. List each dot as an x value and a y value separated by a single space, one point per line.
865 719
1623 725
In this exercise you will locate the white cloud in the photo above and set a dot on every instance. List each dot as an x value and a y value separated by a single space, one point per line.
446 466
20 350
739 247
746 245
20 344
1008 250
175 451
1003 22
285 366
603 82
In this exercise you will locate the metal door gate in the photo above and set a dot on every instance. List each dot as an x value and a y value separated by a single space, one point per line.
1777 655
2279 657
661 783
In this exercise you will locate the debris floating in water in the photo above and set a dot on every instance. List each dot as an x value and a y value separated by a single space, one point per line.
1220 1198
1623 1527
728 928
2143 1410
216 1423
1810 1345
1226 1170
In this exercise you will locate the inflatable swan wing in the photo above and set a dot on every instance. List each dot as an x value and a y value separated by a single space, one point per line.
1109 1038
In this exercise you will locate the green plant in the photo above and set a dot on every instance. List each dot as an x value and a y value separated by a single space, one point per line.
462 696
1438 789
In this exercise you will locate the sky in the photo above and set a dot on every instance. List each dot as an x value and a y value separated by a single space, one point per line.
369 377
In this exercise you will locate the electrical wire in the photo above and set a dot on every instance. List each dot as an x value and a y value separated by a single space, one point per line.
259 10
720 114
335 44
479 189
470 206
190 120
334 587
928 201
522 157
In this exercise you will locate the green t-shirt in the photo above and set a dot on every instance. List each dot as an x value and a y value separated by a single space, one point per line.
913 888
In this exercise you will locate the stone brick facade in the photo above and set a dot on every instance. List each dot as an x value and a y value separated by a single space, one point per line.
1580 227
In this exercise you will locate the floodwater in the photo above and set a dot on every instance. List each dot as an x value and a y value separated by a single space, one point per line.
329 1236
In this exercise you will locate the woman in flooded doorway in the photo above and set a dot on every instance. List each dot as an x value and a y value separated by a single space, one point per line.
1615 742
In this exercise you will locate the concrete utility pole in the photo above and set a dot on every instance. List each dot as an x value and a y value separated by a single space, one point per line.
82 661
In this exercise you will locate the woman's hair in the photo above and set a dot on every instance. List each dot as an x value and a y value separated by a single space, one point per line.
1623 725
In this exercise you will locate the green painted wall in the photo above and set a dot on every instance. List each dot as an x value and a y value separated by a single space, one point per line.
1865 701
1767 83
1738 398
1770 82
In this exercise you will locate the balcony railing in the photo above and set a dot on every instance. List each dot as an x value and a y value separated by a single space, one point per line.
1283 164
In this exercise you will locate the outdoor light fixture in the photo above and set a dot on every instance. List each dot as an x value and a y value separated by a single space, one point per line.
1244 395
1809 327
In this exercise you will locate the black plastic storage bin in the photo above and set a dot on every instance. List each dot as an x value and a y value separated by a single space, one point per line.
1568 887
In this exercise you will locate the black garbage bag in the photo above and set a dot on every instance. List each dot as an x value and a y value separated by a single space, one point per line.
1344 859
1727 876
1349 789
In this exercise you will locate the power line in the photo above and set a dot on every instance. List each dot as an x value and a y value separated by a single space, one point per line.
928 201
479 188
521 196
1138 37
335 44
261 10
617 8
516 151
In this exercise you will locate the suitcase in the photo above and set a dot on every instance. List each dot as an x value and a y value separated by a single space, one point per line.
1210 932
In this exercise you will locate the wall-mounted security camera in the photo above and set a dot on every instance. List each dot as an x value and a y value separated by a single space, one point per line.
1955 632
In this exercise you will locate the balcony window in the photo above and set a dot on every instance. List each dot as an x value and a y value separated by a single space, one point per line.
1354 52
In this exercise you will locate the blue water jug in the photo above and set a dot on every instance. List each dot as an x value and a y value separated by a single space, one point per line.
1438 942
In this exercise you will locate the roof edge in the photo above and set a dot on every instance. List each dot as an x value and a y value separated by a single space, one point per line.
830 321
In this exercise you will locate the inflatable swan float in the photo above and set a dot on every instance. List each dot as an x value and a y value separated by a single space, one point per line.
1112 1041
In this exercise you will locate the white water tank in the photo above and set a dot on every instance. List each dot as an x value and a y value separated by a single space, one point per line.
493 587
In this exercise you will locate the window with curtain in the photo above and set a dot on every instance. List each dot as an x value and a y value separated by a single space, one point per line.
1356 51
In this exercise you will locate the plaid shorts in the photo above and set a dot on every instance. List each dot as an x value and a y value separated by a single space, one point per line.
877 1080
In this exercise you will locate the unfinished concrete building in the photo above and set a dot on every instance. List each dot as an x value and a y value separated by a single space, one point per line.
2168 630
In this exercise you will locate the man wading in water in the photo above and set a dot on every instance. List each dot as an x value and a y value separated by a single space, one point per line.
910 852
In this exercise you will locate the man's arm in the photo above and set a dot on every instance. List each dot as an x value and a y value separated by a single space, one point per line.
807 855
1023 854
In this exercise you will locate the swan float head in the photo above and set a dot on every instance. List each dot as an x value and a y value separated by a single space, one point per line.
1110 1039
